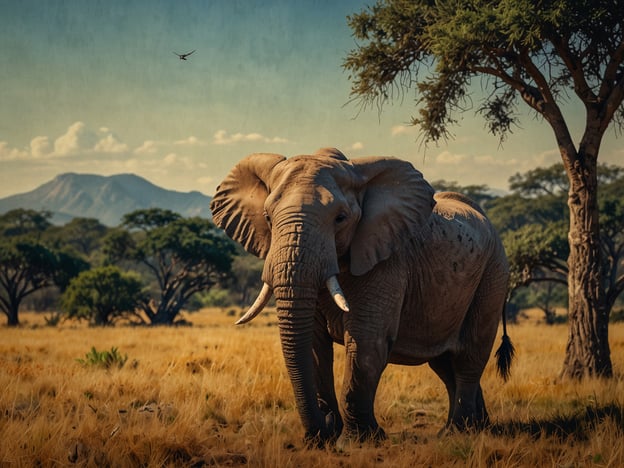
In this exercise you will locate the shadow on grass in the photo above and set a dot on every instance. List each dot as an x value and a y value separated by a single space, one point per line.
578 426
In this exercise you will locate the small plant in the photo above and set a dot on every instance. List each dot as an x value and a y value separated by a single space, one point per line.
104 359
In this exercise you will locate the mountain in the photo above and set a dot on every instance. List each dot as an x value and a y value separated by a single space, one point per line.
106 198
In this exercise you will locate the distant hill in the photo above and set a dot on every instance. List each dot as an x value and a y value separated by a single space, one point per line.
106 198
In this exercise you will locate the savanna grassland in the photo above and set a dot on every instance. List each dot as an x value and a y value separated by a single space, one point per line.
216 394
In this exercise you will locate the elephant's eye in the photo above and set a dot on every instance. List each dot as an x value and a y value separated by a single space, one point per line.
341 218
267 218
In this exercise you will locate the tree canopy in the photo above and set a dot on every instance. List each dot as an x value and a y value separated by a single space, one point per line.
525 50
183 256
27 264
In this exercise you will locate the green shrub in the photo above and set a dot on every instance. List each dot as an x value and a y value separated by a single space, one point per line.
104 359
102 295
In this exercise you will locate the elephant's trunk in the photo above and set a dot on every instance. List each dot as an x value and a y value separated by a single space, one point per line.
296 324
296 273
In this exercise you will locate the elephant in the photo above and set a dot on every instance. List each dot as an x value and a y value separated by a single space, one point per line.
362 252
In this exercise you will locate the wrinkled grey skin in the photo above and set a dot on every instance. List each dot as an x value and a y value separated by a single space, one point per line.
425 278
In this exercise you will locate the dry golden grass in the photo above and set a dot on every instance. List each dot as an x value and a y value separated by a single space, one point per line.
216 394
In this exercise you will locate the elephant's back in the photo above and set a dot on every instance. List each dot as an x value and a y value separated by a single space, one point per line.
452 203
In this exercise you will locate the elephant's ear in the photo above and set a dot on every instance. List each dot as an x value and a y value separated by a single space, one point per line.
396 202
238 205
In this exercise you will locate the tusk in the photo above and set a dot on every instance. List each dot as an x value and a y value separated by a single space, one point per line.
258 305
336 292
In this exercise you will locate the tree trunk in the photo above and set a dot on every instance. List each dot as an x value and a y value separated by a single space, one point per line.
587 351
13 317
164 316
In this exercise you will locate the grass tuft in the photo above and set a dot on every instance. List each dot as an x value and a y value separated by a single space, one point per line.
104 359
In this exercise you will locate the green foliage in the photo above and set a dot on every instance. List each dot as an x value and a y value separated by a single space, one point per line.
536 246
104 359
149 219
83 236
68 267
216 298
21 222
247 278
29 261
540 181
532 51
102 295
183 256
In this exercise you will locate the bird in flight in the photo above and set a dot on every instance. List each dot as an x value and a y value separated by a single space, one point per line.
183 56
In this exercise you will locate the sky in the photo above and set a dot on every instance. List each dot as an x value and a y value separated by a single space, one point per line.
94 87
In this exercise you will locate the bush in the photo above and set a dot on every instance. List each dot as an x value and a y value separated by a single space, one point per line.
104 359
101 295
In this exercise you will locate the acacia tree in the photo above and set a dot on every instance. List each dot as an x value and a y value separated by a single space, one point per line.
535 52
27 264
183 256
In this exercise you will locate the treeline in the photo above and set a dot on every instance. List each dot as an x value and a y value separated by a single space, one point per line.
157 263
146 270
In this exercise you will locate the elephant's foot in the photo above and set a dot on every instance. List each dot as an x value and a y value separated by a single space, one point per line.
361 435
469 413
327 434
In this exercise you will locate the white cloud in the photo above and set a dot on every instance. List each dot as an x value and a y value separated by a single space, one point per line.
180 162
110 144
148 147
9 154
221 137
77 138
491 161
402 130
191 141
40 146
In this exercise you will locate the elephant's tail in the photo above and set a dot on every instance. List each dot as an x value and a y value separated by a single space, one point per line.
505 352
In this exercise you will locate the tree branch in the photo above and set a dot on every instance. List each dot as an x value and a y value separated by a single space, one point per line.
611 72
575 67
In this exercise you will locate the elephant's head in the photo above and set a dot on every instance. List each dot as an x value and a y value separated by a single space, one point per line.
308 216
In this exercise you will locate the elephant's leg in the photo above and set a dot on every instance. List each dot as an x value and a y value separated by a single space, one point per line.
469 410
477 338
323 351
443 367
365 361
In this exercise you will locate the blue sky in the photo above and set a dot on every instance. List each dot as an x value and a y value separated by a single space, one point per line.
94 87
